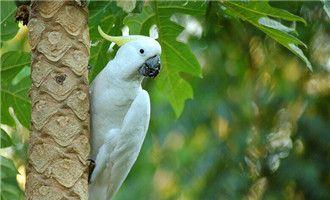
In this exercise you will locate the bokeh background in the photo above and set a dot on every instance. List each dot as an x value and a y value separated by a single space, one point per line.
258 126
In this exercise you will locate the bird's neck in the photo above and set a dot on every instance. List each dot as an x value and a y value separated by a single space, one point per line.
124 71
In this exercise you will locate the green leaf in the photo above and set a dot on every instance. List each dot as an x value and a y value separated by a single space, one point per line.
8 169
140 23
264 9
258 13
5 139
9 26
9 187
107 15
10 192
176 56
15 94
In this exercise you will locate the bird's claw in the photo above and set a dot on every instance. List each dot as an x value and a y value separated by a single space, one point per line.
91 167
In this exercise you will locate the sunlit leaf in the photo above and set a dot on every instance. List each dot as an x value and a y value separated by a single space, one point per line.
258 13
176 56
270 23
326 7
126 5
8 25
5 139
15 94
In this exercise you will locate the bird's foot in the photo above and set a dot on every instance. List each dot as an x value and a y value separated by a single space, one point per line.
91 167
81 3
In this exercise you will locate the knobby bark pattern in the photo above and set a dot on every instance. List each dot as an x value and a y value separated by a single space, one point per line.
59 141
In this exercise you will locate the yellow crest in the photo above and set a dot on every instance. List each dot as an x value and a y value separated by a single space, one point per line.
119 40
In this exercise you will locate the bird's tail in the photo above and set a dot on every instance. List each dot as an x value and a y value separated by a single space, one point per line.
97 192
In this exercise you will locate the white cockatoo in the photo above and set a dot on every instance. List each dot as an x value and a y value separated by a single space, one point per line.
120 112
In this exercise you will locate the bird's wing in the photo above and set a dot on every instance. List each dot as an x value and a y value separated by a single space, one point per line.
130 140
120 150
104 153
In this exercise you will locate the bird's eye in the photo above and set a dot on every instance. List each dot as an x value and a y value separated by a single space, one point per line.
141 51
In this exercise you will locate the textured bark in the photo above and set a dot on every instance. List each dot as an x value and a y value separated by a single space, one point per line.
59 141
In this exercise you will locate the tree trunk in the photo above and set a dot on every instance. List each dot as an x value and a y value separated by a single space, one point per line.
59 141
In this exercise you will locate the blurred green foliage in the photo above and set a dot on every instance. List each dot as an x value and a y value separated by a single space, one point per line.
15 83
258 125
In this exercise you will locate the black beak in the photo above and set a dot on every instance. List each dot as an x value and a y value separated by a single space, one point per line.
151 67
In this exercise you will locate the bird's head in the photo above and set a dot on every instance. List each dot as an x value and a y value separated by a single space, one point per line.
138 55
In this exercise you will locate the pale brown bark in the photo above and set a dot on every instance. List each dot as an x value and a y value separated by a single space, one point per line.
59 141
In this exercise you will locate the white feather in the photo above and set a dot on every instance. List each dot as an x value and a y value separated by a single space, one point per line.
120 114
